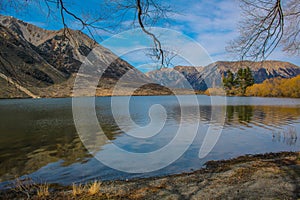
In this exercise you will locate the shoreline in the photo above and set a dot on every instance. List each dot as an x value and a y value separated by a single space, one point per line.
271 175
199 93
183 92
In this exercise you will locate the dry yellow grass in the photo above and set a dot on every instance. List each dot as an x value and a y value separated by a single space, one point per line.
94 188
77 189
43 190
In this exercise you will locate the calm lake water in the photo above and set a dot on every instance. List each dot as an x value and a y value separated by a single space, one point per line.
38 138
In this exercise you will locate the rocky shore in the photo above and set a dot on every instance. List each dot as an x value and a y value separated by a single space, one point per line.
265 176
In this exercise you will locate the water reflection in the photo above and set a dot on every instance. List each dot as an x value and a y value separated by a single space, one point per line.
32 138
269 117
36 135
244 114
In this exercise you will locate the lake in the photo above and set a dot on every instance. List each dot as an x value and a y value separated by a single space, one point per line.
38 138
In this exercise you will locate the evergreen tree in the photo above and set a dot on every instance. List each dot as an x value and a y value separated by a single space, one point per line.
228 80
239 83
249 77
244 79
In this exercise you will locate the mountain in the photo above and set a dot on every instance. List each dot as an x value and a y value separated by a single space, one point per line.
210 76
179 77
260 70
35 62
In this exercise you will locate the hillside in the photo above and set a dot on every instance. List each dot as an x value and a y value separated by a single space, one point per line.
40 63
210 76
261 70
35 62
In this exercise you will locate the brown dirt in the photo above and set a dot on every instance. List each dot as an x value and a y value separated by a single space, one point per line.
267 176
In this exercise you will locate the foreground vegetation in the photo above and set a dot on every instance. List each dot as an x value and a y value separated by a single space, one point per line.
267 176
276 87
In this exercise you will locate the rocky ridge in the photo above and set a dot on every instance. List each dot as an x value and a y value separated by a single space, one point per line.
45 63
210 76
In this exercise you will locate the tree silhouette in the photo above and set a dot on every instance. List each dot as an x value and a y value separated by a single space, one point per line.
266 25
108 17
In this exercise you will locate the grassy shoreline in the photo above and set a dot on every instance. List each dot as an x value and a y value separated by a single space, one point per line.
272 175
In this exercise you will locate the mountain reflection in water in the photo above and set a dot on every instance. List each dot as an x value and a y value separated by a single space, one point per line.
38 137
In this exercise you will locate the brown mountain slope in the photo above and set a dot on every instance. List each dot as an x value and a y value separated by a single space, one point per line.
201 78
46 62
179 77
19 61
261 70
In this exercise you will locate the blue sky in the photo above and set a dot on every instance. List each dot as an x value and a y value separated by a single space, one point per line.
212 24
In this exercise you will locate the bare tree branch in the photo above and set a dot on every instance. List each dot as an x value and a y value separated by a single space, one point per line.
169 56
266 25
143 13
157 44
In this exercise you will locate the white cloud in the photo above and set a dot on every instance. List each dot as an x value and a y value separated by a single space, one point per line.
211 23
215 44
214 24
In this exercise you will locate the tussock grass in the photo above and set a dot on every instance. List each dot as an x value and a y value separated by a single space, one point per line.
90 188
94 187
43 190
28 187
77 189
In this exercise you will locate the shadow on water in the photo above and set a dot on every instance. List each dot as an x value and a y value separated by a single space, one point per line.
35 134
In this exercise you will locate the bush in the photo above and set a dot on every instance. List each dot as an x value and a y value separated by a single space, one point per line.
276 87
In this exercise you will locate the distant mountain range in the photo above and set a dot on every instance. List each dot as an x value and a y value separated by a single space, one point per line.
35 62
201 78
